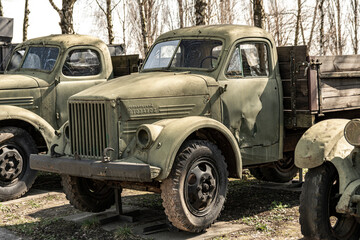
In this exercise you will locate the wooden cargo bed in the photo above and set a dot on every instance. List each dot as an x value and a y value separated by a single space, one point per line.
304 101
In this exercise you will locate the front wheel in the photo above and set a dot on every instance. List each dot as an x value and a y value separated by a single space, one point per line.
87 194
194 192
16 177
318 200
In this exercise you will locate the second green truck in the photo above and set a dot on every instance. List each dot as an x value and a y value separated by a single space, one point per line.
208 102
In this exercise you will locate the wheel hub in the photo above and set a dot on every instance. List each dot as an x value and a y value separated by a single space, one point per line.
201 187
11 163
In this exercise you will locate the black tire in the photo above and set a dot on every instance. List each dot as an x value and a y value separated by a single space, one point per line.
281 171
318 200
194 193
87 194
16 177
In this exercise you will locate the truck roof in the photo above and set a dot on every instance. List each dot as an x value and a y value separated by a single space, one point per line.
228 31
65 40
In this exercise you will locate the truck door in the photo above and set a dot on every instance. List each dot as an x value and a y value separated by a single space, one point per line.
250 104
81 69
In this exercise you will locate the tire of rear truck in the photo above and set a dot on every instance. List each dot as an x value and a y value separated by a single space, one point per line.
16 177
281 171
87 194
318 200
194 193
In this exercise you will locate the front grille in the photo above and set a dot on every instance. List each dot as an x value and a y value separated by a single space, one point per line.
87 128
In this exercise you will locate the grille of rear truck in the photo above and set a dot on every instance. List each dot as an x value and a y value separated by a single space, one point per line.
87 128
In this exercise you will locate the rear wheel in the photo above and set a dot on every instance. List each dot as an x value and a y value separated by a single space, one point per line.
318 200
16 177
194 192
281 171
87 194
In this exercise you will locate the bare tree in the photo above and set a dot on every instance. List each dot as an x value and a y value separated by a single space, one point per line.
298 22
26 20
200 15
1 9
66 15
181 13
226 15
339 32
322 35
122 20
354 20
258 9
144 16
281 23
309 43
108 13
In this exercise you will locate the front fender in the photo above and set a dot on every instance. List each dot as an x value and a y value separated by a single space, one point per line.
175 131
12 112
324 141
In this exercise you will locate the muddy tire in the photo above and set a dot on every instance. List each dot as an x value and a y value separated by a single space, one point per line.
281 171
86 194
194 193
16 177
319 197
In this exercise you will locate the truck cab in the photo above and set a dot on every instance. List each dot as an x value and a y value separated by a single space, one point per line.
41 75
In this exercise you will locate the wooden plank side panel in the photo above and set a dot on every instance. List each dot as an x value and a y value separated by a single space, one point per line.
341 103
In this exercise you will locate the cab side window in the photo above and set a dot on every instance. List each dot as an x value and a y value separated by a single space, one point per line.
82 62
249 60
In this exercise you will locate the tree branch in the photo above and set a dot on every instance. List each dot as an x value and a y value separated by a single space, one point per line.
100 7
54 6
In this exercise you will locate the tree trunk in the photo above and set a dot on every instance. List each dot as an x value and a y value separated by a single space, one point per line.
26 20
109 22
355 8
312 26
200 6
1 9
66 15
259 20
298 23
181 13
143 26
322 18
340 43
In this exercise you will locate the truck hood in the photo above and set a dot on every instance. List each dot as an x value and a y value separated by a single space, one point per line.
148 85
10 81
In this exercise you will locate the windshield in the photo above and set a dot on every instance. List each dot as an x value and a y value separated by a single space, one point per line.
37 58
188 53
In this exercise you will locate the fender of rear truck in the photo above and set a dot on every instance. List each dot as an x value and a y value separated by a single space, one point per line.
322 142
171 135
21 117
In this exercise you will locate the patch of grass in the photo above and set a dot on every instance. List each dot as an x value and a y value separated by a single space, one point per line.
124 233
33 204
90 223
278 205
261 227
4 209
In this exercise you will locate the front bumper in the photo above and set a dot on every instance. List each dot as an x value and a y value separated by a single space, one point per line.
89 168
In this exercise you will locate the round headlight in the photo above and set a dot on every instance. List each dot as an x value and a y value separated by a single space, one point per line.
143 137
352 132
146 134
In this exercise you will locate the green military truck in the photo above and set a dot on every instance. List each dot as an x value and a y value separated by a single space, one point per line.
208 102
40 76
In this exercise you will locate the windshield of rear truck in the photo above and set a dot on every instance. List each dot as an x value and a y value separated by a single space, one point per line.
185 54
35 58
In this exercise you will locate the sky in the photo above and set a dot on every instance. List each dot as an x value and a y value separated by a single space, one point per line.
43 19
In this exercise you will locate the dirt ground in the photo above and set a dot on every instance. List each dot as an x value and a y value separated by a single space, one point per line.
265 213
